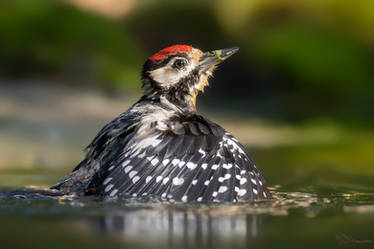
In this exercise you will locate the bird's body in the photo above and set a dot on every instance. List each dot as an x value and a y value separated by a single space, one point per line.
161 147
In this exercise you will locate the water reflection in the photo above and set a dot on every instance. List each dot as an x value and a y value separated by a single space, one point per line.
173 228
141 224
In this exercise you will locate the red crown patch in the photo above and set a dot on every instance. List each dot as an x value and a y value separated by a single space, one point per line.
176 49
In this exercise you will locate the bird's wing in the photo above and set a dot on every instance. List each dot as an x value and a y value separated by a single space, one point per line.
196 160
105 147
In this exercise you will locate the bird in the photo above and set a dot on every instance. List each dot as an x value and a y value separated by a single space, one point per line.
162 148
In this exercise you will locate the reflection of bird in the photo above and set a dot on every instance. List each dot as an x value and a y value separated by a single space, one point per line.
161 147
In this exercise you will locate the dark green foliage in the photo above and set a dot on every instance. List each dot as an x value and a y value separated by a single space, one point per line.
50 37
297 60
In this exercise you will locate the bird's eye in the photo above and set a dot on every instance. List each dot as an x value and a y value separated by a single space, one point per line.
179 64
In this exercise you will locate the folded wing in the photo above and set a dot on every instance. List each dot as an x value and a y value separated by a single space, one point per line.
195 160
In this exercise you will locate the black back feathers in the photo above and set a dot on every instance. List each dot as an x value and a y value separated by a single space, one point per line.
195 161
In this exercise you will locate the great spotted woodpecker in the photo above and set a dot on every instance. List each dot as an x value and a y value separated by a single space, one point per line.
161 147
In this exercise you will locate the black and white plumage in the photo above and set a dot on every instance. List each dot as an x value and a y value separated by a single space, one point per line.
161 147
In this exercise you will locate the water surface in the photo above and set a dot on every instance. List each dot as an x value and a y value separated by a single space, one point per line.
319 201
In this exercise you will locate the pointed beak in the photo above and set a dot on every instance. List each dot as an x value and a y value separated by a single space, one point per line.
210 59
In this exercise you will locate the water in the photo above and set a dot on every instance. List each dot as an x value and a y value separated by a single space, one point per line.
319 202
292 219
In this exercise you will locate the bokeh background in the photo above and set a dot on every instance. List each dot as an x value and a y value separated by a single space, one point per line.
299 93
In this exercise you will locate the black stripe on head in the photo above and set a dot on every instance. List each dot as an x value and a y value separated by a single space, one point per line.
150 65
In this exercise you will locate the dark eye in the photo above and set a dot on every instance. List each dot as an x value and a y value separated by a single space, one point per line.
179 64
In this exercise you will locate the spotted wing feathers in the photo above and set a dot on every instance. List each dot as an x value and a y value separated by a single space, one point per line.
195 161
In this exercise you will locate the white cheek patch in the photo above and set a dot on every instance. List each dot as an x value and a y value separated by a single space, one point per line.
167 76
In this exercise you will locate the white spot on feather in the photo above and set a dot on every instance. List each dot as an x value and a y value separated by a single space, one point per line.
124 164
127 169
142 155
148 179
204 165
226 177
166 179
243 180
154 161
113 193
215 166
235 145
108 188
202 152
222 189
227 166
132 174
242 192
107 180
219 154
178 181
135 179
191 165
158 178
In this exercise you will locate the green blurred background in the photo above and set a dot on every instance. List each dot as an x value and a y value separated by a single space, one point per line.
300 89
299 94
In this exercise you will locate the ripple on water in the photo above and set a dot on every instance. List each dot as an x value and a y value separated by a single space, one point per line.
173 224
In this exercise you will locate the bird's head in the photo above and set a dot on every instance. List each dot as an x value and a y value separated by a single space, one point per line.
179 72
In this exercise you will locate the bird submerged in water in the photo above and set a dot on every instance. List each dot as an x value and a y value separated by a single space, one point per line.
161 147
